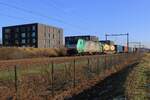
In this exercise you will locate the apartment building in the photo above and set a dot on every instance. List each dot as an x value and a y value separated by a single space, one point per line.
32 35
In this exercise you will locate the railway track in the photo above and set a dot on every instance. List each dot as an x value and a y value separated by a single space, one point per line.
44 60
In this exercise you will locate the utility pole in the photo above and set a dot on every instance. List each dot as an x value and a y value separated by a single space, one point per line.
128 41
106 36
127 34
137 44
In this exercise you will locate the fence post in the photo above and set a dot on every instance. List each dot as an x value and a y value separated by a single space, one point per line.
112 60
74 73
52 73
89 64
98 65
16 81
118 59
105 61
115 60
111 65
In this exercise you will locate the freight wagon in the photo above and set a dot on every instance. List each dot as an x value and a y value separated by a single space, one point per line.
125 49
130 49
119 49
108 46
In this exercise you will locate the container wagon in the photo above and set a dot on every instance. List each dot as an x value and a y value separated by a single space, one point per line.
118 49
125 49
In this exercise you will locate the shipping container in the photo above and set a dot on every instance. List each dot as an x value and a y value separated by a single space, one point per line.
119 49
125 49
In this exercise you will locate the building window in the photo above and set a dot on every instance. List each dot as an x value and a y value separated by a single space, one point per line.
7 30
53 36
33 46
59 31
23 41
23 35
33 28
28 41
44 42
16 42
49 43
16 35
33 34
6 42
53 30
28 35
23 29
23 46
28 45
33 41
28 29
6 36
17 29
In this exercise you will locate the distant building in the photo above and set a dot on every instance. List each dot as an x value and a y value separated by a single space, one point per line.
71 41
32 35
109 42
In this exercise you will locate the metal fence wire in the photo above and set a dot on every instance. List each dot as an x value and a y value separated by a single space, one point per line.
45 78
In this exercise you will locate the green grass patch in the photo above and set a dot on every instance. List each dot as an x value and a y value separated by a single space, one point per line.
33 70
40 69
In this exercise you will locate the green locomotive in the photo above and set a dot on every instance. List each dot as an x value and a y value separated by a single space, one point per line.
89 47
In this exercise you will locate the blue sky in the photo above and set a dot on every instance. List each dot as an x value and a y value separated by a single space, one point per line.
88 17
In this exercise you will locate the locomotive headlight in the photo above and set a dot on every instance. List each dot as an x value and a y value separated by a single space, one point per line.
112 47
106 47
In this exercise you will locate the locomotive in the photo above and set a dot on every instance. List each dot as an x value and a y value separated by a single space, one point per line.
89 47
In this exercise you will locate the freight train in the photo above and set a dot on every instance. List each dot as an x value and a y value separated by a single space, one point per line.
85 47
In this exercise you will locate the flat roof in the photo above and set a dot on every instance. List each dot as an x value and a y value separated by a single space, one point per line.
81 36
31 24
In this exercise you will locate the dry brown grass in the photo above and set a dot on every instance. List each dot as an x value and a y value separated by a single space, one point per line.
20 53
138 80
35 83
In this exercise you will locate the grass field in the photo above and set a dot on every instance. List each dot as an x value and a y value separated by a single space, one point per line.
20 53
35 78
35 69
138 82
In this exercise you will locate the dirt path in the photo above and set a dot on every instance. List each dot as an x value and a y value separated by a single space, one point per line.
110 88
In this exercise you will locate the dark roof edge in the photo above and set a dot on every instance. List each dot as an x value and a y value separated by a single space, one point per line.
19 25
31 24
80 36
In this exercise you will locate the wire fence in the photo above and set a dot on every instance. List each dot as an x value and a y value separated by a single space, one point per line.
44 78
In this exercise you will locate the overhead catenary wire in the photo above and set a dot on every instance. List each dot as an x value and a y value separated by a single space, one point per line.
15 17
39 14
54 4
28 11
